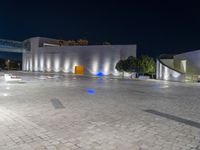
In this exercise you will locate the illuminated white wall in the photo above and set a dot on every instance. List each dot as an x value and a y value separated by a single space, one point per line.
163 72
188 62
95 59
183 65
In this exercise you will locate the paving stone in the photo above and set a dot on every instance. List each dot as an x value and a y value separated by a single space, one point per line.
113 118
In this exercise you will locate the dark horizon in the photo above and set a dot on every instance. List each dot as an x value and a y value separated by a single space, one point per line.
155 27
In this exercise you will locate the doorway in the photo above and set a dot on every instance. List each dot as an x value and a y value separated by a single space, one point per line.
79 70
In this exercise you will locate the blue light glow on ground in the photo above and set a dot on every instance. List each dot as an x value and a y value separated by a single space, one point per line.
100 74
90 91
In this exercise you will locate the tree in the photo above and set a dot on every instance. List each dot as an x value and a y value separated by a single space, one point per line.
147 65
143 65
128 65
120 66
131 64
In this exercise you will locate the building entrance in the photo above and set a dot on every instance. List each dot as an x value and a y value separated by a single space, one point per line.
79 70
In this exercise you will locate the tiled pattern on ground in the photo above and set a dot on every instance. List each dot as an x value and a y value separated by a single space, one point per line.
18 133
113 118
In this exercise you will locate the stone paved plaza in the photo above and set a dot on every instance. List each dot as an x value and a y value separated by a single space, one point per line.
57 112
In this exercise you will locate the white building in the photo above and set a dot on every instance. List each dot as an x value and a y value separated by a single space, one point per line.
51 55
181 67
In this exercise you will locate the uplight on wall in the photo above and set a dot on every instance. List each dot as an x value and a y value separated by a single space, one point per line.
67 65
74 64
36 63
115 72
48 63
27 65
183 65
56 64
95 67
161 70
41 63
106 67
176 74
166 73
30 64
5 94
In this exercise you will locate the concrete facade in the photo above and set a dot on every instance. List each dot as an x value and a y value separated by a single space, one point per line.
46 57
188 62
167 72
181 67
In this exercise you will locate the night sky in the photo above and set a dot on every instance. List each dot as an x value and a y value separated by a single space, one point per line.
155 26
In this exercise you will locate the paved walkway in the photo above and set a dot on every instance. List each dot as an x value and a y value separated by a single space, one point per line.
81 113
